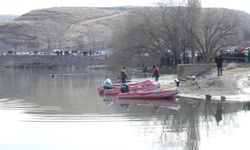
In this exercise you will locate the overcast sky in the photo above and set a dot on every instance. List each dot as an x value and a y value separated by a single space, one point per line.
19 7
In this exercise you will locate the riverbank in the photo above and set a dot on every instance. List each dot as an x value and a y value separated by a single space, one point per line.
233 83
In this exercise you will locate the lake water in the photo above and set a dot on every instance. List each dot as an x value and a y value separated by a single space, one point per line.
64 112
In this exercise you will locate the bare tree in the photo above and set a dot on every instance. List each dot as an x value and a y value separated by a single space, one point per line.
216 28
167 31
173 34
80 42
155 31
91 39
130 40
191 21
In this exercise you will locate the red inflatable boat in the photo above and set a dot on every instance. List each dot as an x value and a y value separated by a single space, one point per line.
146 87
116 87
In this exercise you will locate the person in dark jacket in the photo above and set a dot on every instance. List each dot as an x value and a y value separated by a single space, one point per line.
124 75
155 73
219 64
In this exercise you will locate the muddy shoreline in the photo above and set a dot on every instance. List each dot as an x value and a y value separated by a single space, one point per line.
231 84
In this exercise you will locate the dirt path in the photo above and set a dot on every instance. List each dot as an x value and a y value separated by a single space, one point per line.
88 21
80 23
101 18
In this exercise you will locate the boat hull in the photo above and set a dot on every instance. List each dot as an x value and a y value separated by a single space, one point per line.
165 94
151 86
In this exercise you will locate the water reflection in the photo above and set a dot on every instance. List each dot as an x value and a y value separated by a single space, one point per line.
246 106
108 101
218 115
154 104
67 104
187 120
124 107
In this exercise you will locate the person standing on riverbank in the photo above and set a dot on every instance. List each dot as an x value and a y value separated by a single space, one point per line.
219 64
246 55
155 73
124 75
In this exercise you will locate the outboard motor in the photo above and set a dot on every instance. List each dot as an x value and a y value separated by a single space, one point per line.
124 88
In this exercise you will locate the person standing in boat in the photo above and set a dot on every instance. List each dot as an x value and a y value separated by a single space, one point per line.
124 75
155 73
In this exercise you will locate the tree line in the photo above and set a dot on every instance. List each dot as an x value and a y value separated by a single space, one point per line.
162 35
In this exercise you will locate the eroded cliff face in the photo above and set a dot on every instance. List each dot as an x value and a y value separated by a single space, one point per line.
60 28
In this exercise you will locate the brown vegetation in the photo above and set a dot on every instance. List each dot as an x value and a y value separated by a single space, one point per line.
142 35
164 34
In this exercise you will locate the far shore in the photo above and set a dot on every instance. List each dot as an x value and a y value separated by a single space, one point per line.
37 61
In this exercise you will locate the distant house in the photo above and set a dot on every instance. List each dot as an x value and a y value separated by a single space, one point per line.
22 53
104 53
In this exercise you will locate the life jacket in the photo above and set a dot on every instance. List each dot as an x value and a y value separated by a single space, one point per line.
155 72
246 52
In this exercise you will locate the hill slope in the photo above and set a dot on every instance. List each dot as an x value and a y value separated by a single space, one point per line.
64 28
71 28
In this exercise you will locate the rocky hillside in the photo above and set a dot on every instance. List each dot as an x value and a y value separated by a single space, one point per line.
78 28
69 28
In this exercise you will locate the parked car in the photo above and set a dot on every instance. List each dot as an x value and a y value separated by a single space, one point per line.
236 51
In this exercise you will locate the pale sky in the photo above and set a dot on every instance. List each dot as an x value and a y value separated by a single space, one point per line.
232 4
19 7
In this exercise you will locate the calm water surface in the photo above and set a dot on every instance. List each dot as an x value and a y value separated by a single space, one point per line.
64 112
